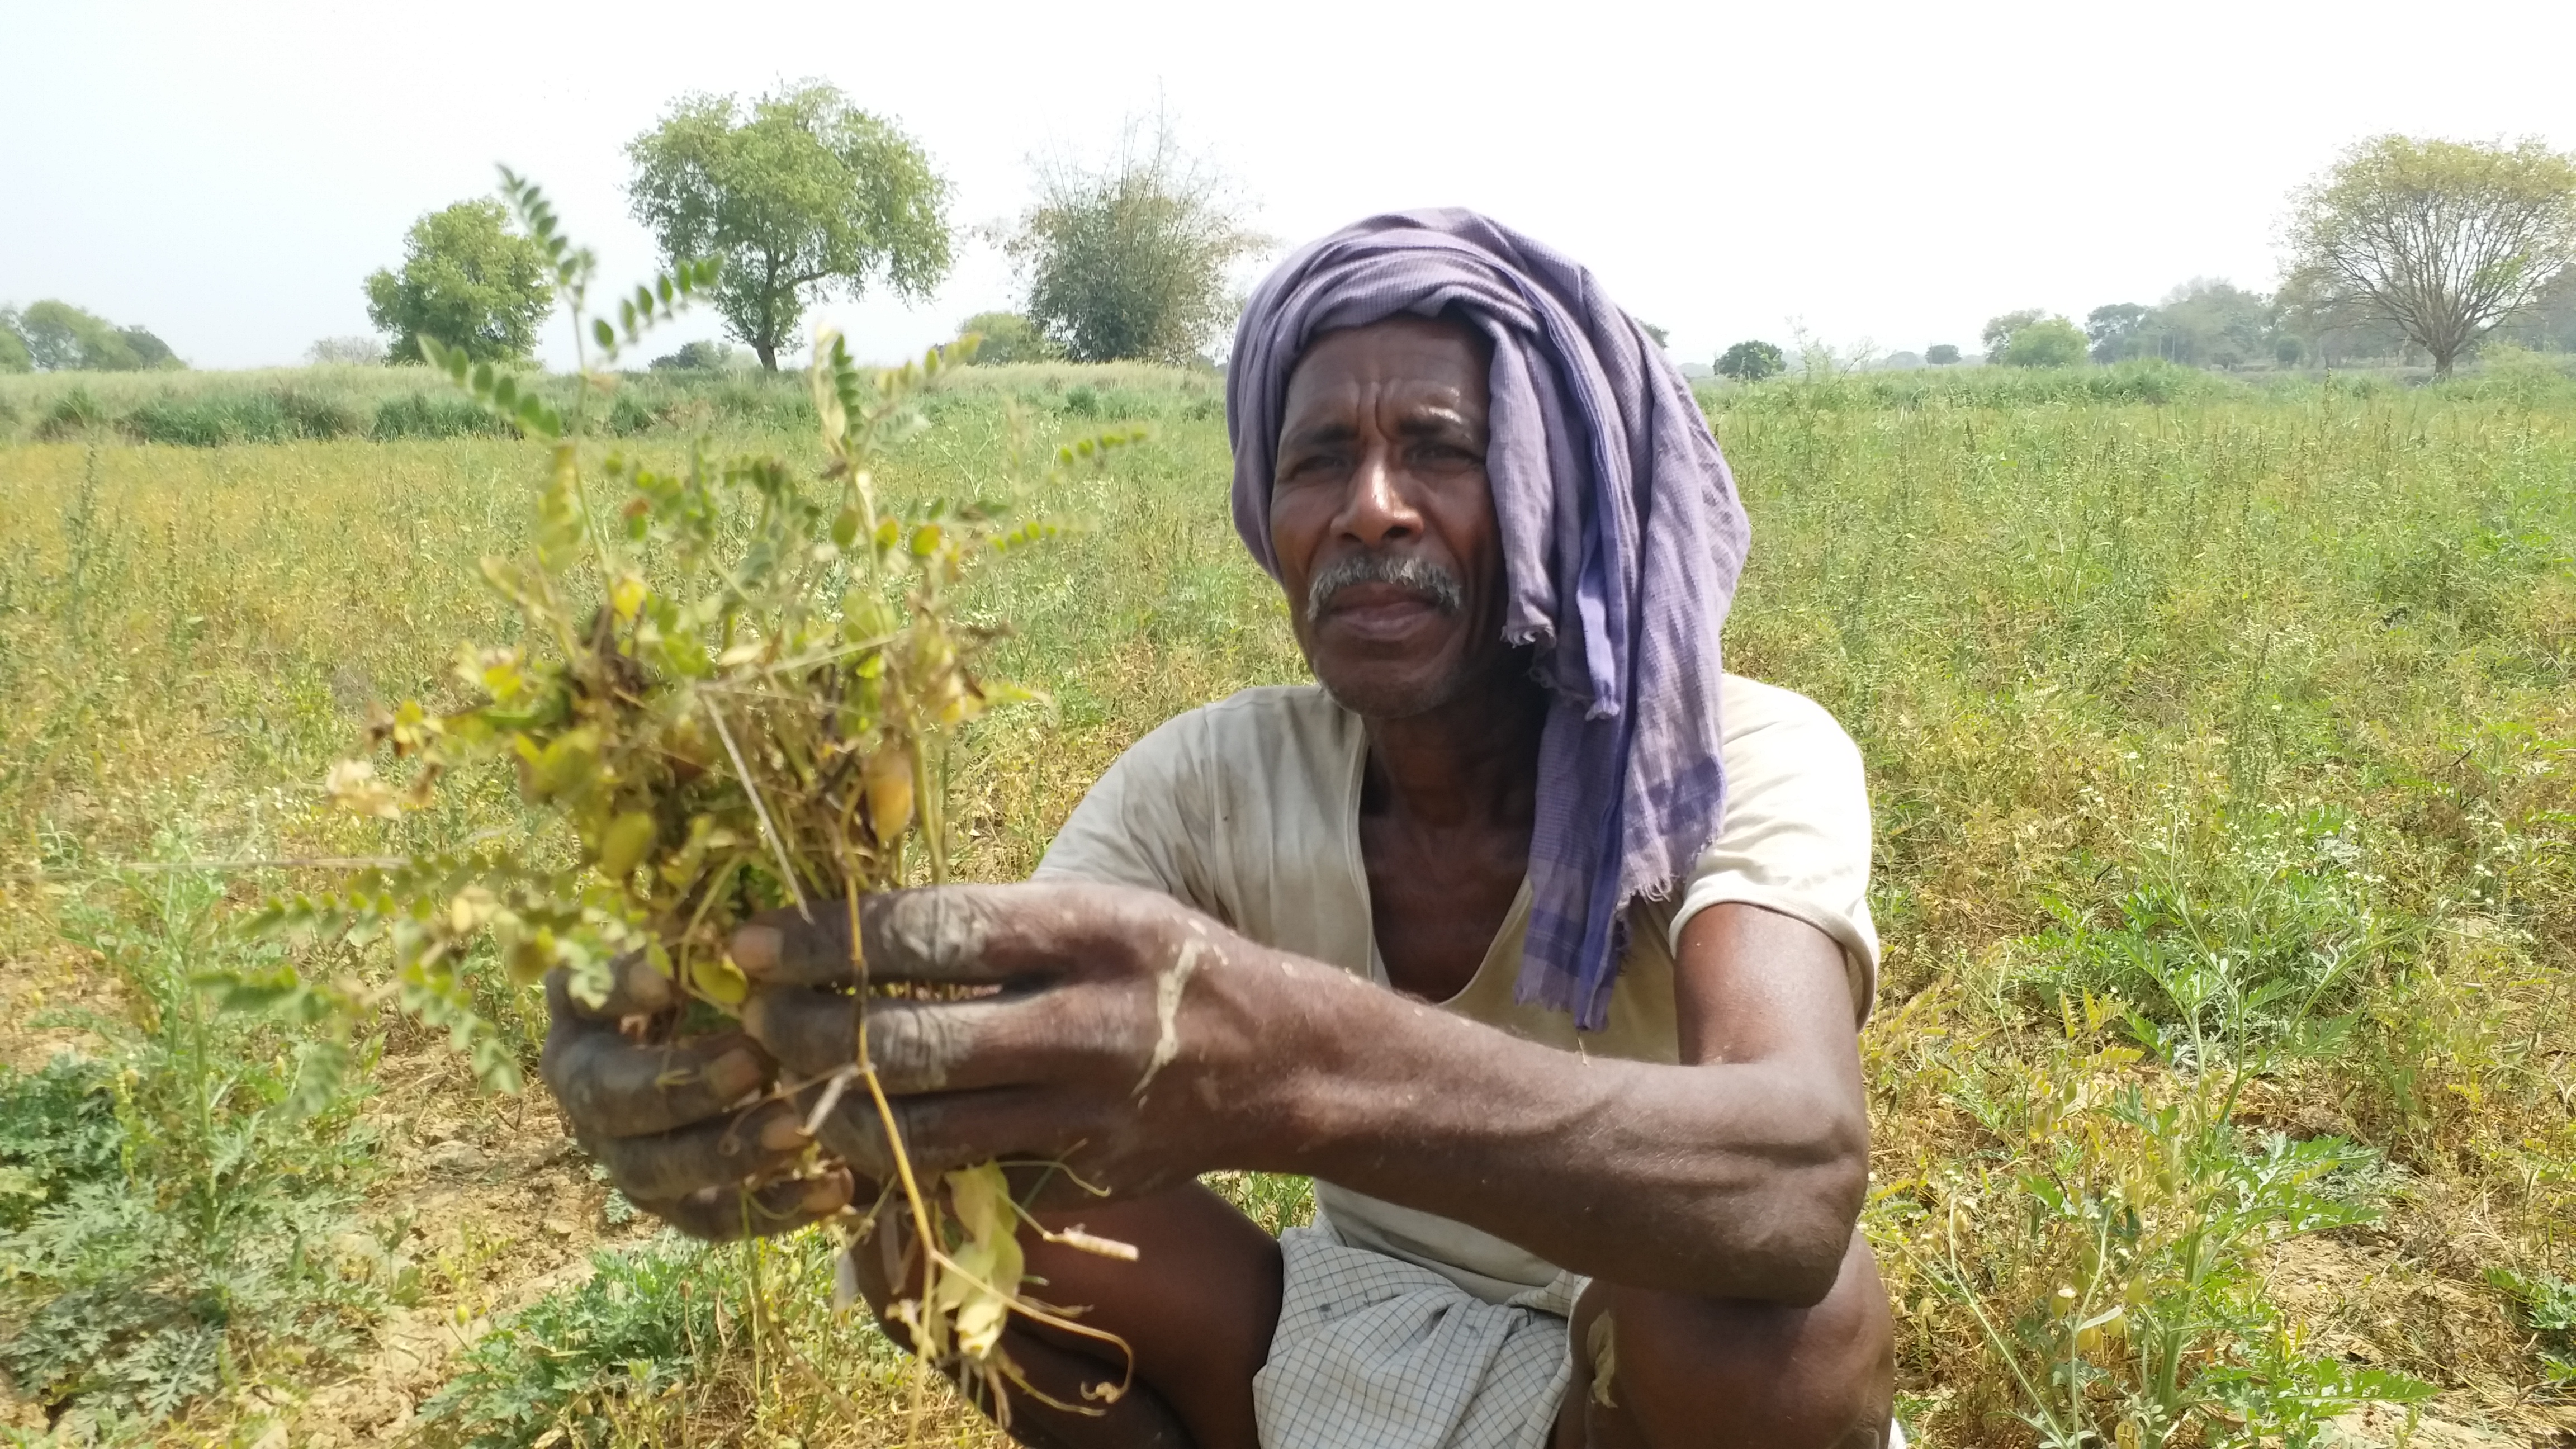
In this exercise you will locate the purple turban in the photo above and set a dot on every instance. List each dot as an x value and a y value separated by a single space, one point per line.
1622 539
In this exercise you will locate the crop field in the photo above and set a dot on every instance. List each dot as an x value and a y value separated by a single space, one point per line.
2222 742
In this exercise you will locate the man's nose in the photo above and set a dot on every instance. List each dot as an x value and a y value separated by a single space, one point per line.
1377 509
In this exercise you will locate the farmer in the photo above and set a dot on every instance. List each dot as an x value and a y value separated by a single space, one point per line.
1536 938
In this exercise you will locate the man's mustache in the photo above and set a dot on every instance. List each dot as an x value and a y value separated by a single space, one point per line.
1413 575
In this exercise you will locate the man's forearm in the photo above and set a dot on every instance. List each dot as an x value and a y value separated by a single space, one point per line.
1732 1181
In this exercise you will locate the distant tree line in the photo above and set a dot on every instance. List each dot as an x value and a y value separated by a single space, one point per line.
54 336
2405 249
805 197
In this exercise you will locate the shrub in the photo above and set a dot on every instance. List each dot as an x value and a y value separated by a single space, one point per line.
211 422
1008 337
319 415
627 415
73 415
418 415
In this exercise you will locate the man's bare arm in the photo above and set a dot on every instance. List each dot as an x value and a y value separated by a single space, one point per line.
1143 1044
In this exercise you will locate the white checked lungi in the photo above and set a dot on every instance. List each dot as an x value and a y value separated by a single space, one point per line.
1375 1351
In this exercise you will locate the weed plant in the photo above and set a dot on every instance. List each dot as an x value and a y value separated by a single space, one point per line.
168 1230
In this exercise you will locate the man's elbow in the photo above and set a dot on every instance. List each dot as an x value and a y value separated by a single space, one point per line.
1817 1207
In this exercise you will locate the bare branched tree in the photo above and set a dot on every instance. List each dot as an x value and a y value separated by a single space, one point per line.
2443 239
1130 261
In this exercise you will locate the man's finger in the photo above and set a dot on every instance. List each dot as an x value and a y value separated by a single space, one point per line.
784 947
726 1151
917 1046
946 1130
727 1214
968 934
635 988
612 1087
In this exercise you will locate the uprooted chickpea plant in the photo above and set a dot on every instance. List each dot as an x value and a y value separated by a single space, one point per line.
731 694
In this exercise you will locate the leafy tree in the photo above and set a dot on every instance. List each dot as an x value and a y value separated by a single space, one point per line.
2209 322
148 351
697 357
2045 342
1941 354
467 282
59 337
1999 330
1663 338
2334 330
1129 261
2114 330
2444 239
1008 337
2547 325
14 356
804 198
345 352
1751 361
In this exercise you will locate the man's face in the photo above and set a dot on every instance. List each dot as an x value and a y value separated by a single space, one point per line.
1382 517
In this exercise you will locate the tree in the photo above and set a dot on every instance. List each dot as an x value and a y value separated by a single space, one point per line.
14 356
148 351
804 198
59 337
467 281
2046 342
2210 322
1663 338
345 352
1129 261
2547 325
1999 330
1008 337
698 357
1751 361
1941 354
2114 330
2444 239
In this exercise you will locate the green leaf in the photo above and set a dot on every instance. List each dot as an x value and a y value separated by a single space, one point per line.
604 334
482 381
505 393
321 1067
662 288
626 317
535 417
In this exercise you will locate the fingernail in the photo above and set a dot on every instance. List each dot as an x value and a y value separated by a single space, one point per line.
735 1073
825 1193
755 948
781 1133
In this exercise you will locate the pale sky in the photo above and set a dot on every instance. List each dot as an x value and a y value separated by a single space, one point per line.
227 174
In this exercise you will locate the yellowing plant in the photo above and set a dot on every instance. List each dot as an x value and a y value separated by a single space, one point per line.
730 694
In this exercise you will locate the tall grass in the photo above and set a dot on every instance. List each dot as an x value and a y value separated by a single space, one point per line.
2219 739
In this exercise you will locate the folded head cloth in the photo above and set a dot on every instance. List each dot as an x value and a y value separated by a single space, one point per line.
1622 538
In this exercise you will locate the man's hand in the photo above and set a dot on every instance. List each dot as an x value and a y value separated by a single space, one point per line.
691 1131
1107 1028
